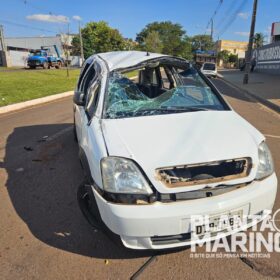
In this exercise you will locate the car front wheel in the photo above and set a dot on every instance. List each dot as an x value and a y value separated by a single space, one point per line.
89 208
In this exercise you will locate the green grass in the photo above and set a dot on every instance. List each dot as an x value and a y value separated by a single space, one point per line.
25 85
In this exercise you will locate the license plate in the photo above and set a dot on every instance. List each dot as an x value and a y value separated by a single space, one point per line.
218 223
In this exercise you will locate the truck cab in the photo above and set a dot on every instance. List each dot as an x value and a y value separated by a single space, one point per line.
43 58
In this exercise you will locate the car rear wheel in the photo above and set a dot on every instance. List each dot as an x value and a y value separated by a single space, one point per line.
58 65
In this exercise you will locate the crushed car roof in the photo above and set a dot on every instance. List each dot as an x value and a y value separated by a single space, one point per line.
124 59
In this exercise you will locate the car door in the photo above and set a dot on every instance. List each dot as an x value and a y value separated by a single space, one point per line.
91 139
88 74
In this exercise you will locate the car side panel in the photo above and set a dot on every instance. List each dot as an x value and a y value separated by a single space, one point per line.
95 149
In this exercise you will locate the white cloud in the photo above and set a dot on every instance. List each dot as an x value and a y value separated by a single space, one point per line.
243 15
242 33
49 18
78 18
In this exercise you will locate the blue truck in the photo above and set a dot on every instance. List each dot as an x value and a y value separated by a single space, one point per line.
43 58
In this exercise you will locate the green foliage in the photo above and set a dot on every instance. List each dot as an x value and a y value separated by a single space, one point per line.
202 42
224 56
259 40
98 37
153 43
170 38
232 58
17 86
129 45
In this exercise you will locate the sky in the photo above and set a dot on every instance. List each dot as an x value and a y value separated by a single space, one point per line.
50 17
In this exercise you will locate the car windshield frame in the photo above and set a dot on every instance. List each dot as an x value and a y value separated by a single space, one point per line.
166 109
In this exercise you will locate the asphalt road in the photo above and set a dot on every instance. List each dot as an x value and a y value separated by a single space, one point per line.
43 235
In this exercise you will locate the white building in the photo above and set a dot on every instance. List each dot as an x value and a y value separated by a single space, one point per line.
18 48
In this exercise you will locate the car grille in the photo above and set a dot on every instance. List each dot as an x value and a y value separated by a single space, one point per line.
170 239
203 173
34 62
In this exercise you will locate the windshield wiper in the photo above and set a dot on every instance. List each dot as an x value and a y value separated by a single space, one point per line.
168 110
186 109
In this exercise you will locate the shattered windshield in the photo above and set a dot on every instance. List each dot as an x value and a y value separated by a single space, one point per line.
132 98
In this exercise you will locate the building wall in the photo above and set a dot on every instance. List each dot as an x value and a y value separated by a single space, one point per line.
18 58
34 42
234 47
268 58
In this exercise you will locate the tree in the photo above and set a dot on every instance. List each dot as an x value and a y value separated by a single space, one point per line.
232 58
129 44
202 42
224 56
258 40
172 37
153 43
98 37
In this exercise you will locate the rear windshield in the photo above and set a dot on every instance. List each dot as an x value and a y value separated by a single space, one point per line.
161 90
209 66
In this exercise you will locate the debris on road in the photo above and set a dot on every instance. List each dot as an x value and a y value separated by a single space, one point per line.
143 267
29 149
20 169
43 139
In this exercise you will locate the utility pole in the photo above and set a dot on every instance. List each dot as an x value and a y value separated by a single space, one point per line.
250 45
3 49
212 28
81 43
2 42
67 50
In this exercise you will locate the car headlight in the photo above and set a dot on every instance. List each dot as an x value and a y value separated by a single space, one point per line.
265 165
122 175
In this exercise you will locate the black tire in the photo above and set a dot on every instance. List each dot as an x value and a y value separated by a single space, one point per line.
89 208
75 131
88 205
58 65
32 67
75 134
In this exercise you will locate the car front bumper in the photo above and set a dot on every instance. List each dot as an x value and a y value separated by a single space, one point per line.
143 226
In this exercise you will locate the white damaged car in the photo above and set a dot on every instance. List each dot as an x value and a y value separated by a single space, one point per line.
159 145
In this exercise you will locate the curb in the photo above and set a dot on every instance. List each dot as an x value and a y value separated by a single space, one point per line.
263 101
31 103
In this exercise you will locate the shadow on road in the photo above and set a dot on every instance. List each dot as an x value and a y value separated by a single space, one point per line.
43 177
230 91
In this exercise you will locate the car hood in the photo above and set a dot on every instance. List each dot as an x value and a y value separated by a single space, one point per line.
183 138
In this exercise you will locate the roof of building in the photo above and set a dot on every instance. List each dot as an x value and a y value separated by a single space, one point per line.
124 59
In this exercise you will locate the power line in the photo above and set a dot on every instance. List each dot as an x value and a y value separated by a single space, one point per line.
233 17
26 2
227 12
26 26
214 14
